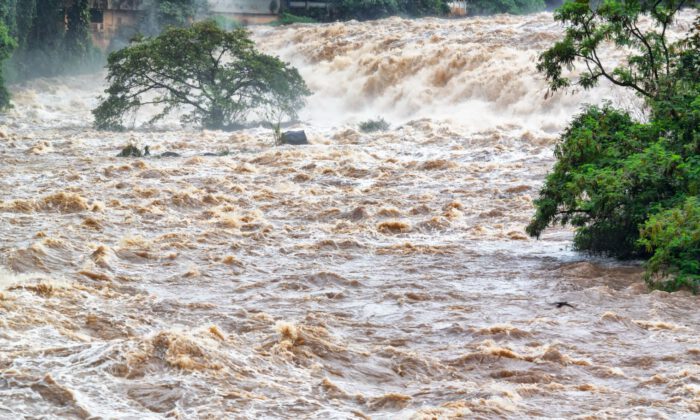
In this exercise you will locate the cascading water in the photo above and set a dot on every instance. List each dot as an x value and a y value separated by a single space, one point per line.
379 275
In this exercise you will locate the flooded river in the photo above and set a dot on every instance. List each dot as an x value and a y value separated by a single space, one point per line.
382 275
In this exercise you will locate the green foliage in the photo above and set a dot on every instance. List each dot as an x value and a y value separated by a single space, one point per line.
7 44
77 38
226 23
370 126
52 37
376 9
648 67
175 12
289 19
216 75
630 189
673 236
515 7
610 173
368 9
418 8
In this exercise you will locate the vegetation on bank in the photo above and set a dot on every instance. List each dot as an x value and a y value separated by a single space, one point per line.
289 19
377 9
7 44
51 36
215 76
629 188
373 9
515 7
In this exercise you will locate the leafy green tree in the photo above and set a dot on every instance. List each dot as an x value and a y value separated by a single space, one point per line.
610 173
367 9
629 188
175 12
674 238
7 44
77 39
647 68
419 8
216 75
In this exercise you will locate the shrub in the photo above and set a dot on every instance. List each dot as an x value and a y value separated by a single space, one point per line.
370 126
673 236
630 189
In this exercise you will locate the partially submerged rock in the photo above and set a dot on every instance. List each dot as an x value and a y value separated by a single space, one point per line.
169 154
294 138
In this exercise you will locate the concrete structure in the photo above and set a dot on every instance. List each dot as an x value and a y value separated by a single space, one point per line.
112 18
115 19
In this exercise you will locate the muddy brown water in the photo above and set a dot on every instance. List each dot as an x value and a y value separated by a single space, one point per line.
380 275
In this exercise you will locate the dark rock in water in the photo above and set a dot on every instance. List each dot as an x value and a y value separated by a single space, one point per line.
220 153
295 138
169 154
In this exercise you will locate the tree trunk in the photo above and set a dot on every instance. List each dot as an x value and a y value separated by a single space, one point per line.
215 119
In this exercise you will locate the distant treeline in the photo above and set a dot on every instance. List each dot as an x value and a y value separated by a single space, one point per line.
376 9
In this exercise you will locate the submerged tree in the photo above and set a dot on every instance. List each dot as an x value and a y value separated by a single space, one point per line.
629 188
217 76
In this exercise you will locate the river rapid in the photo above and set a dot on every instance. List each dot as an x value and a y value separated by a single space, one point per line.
382 275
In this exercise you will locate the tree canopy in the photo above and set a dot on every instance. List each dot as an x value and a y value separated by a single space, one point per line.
7 44
629 188
588 28
216 76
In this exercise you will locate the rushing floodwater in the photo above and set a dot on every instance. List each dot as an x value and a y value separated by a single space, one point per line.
383 275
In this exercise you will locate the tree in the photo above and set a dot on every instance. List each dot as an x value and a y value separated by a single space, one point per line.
368 10
647 67
674 238
77 38
629 188
7 44
175 12
216 75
